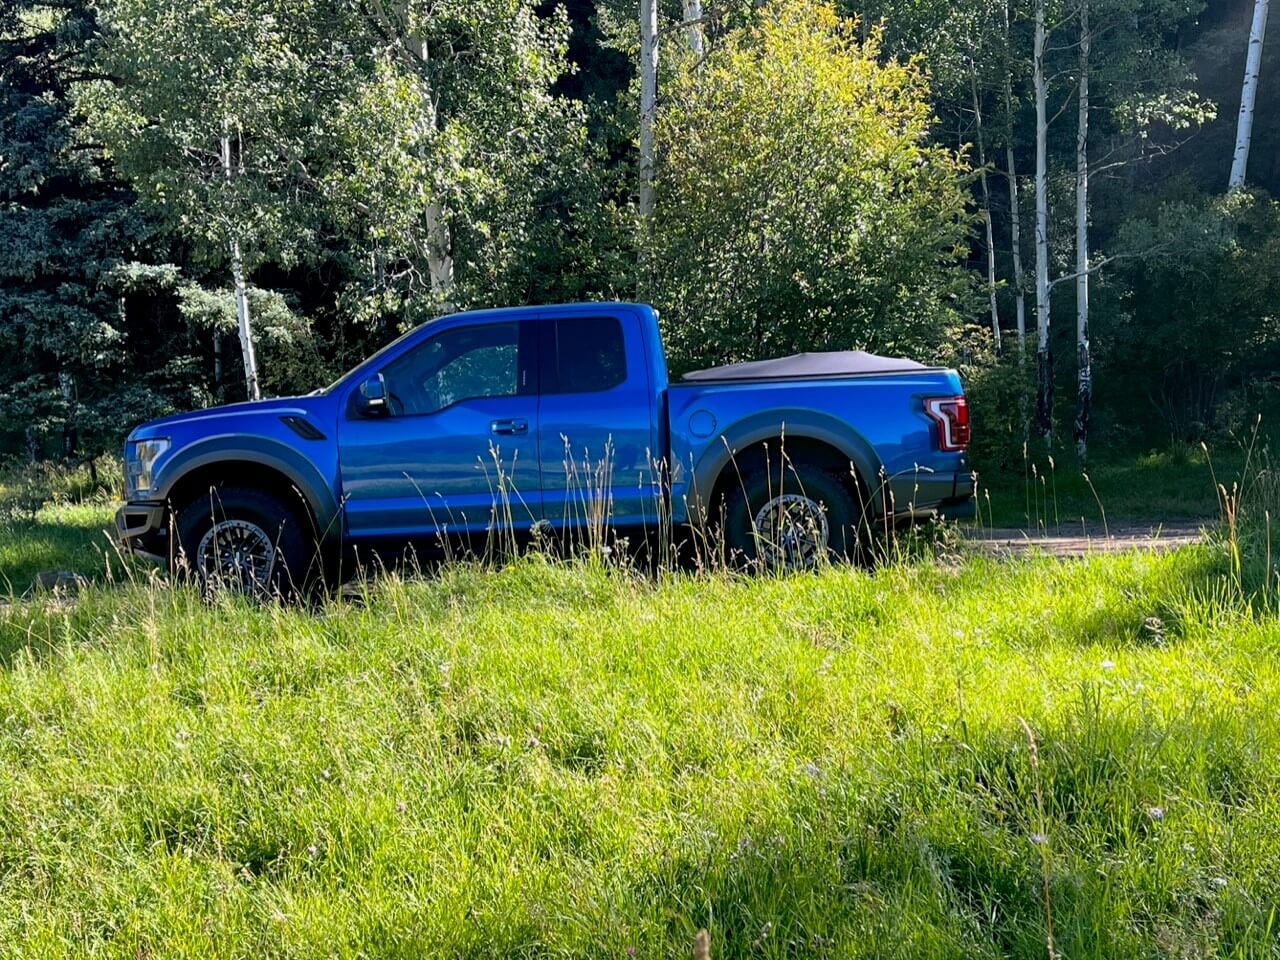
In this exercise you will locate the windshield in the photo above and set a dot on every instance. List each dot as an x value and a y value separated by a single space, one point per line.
390 346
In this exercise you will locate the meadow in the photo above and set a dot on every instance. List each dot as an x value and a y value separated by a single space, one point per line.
945 755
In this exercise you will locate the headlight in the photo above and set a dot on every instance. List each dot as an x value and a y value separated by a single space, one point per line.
141 457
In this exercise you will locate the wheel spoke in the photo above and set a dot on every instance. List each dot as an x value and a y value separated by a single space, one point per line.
236 555
792 532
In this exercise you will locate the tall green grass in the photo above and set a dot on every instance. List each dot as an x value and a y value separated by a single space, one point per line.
568 759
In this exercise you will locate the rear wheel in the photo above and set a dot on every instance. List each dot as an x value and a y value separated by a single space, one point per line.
245 541
793 521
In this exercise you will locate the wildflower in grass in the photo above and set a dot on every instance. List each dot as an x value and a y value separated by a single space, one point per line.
764 935
313 851
325 774
1108 664
631 951
1039 839
1155 813
813 770
1219 882
401 807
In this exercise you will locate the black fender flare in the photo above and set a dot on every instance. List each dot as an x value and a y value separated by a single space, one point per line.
781 424
300 471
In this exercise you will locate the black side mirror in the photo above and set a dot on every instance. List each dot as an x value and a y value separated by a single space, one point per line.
373 397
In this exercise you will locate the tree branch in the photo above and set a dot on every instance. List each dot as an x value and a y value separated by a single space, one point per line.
673 27
1107 261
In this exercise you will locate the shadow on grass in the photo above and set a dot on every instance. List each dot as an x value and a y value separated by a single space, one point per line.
78 544
936 850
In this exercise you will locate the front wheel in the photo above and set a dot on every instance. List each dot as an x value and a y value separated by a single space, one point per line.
795 521
245 541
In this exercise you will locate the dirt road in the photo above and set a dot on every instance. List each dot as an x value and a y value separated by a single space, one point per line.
1077 542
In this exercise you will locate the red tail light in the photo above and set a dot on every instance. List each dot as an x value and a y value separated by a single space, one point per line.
951 414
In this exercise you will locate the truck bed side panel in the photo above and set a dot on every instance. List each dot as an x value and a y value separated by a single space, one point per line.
877 421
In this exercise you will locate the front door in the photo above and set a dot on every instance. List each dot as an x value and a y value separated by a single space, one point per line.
456 450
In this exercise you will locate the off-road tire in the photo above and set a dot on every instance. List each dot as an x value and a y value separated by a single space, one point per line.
750 494
294 561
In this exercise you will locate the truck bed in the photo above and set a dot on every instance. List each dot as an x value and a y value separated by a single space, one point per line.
870 407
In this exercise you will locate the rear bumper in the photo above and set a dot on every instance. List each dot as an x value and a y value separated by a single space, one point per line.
923 497
141 528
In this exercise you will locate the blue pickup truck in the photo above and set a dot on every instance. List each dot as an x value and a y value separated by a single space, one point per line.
548 421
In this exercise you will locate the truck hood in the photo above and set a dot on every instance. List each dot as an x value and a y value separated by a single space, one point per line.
212 419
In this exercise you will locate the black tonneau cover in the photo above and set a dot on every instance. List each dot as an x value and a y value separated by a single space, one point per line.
837 363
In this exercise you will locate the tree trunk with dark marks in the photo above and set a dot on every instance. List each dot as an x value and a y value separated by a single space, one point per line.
1044 357
986 211
1084 392
67 386
1248 96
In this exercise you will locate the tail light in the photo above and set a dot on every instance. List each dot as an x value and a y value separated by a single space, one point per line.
951 414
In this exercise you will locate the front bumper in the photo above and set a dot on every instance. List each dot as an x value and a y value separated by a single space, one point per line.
142 528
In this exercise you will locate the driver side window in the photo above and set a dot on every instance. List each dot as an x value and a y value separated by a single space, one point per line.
464 363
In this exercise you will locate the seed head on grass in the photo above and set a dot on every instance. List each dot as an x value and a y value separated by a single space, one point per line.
1041 837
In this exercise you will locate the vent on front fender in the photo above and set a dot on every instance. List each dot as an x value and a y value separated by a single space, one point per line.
303 428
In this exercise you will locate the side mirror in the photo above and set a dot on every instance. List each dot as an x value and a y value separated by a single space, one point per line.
373 397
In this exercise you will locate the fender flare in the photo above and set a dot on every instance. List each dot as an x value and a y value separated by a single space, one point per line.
300 471
770 425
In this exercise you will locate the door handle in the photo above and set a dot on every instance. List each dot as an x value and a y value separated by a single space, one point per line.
509 427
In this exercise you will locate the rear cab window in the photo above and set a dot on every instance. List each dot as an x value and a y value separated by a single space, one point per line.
583 355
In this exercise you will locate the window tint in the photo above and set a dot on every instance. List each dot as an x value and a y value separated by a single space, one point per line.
460 364
586 355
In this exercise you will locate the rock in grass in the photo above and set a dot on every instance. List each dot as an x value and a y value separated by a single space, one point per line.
56 581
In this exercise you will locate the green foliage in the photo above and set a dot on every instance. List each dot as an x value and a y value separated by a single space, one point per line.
813 193
184 75
999 405
65 223
1202 315
801 204
469 125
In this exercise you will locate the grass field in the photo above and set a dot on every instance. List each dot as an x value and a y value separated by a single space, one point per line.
941 757
556 760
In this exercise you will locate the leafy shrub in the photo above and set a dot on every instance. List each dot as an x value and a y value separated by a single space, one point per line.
801 206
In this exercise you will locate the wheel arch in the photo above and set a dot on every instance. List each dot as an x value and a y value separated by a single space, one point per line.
281 471
800 437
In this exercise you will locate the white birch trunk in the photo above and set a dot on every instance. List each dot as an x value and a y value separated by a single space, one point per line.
243 319
440 253
1015 210
986 213
217 365
1015 242
1044 355
1248 95
1084 399
693 17
648 105
439 245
